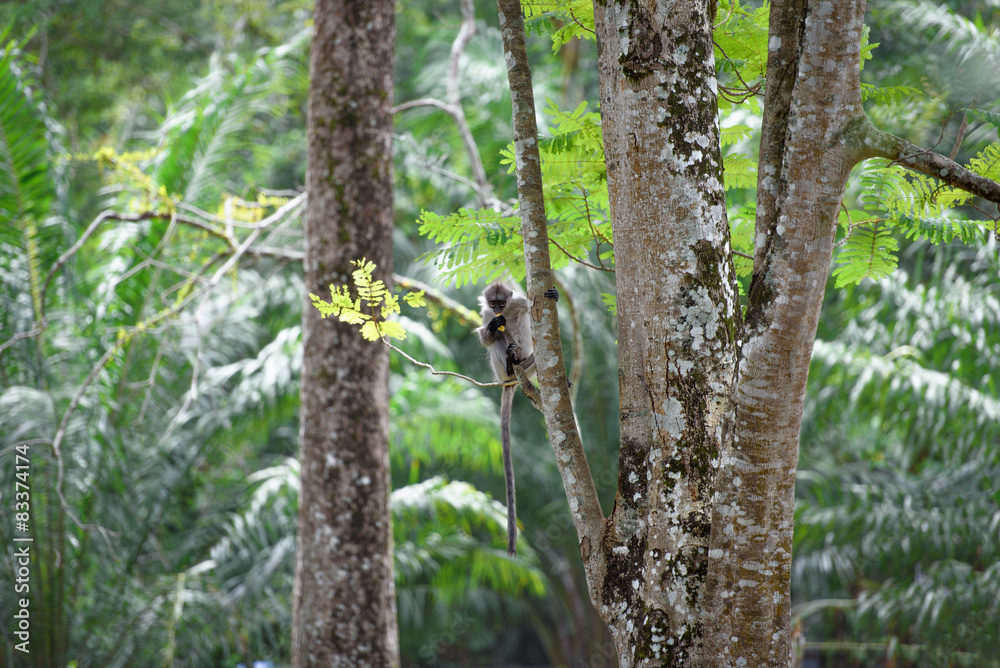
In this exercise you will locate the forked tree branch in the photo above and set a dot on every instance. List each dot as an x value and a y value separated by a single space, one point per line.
557 408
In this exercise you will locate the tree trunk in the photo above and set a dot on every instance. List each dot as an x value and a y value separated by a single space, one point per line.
344 610
678 315
811 138
694 565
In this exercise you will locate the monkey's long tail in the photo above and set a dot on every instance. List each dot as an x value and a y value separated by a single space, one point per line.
506 401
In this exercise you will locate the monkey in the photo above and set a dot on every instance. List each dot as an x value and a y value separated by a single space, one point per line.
506 334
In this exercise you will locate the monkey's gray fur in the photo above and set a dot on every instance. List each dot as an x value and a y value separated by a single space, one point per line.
503 306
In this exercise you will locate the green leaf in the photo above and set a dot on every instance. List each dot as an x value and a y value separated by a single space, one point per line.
868 253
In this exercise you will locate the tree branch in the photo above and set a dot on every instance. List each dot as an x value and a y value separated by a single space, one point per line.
882 144
557 408
435 372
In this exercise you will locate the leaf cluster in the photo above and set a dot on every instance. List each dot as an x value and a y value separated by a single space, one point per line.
895 201
371 308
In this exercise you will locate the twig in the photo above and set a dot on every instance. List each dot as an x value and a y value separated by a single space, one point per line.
576 259
961 136
435 372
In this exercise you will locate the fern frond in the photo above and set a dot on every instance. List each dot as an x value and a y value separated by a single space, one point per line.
987 162
740 171
887 95
870 252
940 230
899 192
474 245
27 183
575 16
991 118
741 236
734 134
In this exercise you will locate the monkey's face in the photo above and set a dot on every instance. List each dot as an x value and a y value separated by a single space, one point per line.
496 297
497 305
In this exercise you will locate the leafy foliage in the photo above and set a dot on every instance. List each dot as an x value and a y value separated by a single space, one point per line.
740 52
870 252
887 95
914 204
373 297
474 245
29 180
897 511
575 16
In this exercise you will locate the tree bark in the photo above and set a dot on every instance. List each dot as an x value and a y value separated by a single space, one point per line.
678 316
811 137
693 566
344 611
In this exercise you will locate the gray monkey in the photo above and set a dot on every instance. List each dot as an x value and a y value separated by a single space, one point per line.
506 333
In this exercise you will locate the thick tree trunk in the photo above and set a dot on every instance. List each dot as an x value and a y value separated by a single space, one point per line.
811 137
344 606
693 567
678 316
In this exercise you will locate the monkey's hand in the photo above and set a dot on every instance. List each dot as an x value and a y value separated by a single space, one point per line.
496 323
512 358
552 294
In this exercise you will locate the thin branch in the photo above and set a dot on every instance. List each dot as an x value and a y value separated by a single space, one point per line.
750 91
580 25
961 136
465 34
567 446
483 194
744 255
475 161
435 372
484 191
882 144
578 260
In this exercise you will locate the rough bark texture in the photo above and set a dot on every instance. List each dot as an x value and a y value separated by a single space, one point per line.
693 566
678 316
344 610
812 127
549 364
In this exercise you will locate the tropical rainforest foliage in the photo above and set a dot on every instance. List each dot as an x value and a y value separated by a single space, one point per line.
151 169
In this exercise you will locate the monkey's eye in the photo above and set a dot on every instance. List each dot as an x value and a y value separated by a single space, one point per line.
496 303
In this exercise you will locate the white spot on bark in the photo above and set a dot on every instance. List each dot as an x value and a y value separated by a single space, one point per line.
774 44
680 54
